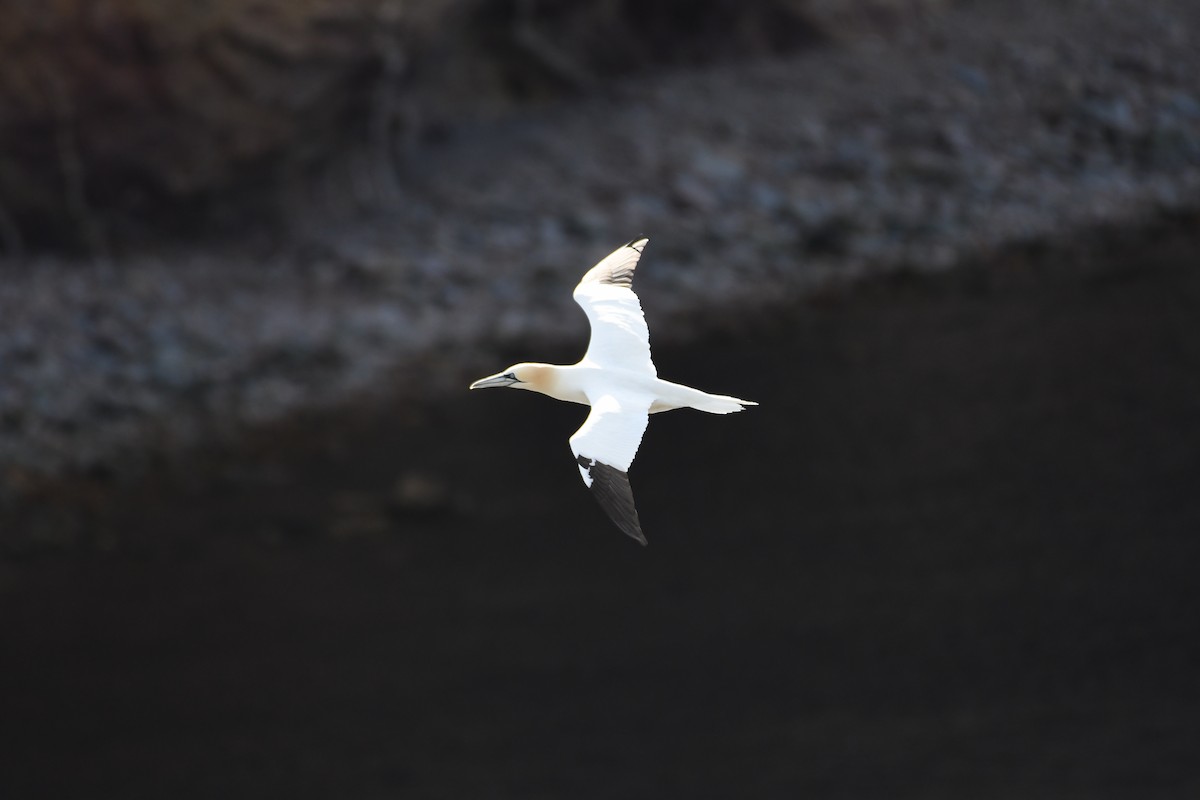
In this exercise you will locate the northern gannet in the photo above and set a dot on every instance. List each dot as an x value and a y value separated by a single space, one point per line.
617 378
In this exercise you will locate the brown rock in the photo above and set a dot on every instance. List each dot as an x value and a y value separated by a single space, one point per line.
112 103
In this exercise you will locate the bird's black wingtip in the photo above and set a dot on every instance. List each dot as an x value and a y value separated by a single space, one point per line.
637 243
610 487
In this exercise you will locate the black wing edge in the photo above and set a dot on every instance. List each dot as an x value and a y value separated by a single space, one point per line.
612 490
624 277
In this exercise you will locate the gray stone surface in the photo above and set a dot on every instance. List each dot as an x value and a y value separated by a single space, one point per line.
989 126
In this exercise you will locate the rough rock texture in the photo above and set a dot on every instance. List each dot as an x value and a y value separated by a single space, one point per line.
113 105
119 113
967 134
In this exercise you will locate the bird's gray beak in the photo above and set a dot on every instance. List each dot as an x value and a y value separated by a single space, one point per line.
495 381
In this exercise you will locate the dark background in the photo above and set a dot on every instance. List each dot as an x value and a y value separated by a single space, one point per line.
951 554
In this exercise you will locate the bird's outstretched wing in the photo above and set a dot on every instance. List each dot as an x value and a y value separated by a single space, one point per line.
604 448
620 338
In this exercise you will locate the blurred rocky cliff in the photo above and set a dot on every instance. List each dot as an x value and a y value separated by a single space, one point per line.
216 215
121 117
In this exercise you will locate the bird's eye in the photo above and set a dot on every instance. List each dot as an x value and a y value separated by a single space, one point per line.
512 376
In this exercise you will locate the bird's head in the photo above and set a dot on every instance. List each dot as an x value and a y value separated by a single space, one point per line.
518 376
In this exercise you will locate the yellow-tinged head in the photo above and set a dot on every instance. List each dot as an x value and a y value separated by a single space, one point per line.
535 377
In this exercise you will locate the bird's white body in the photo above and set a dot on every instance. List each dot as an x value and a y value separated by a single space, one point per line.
617 378
584 382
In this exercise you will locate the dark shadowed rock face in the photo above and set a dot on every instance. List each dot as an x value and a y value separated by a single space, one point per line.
755 181
113 107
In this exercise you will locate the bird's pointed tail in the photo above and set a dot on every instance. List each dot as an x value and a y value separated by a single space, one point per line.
721 404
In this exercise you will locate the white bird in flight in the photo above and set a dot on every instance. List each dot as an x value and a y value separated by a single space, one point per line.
617 378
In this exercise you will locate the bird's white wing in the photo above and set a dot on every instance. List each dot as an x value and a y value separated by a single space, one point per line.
604 448
620 338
